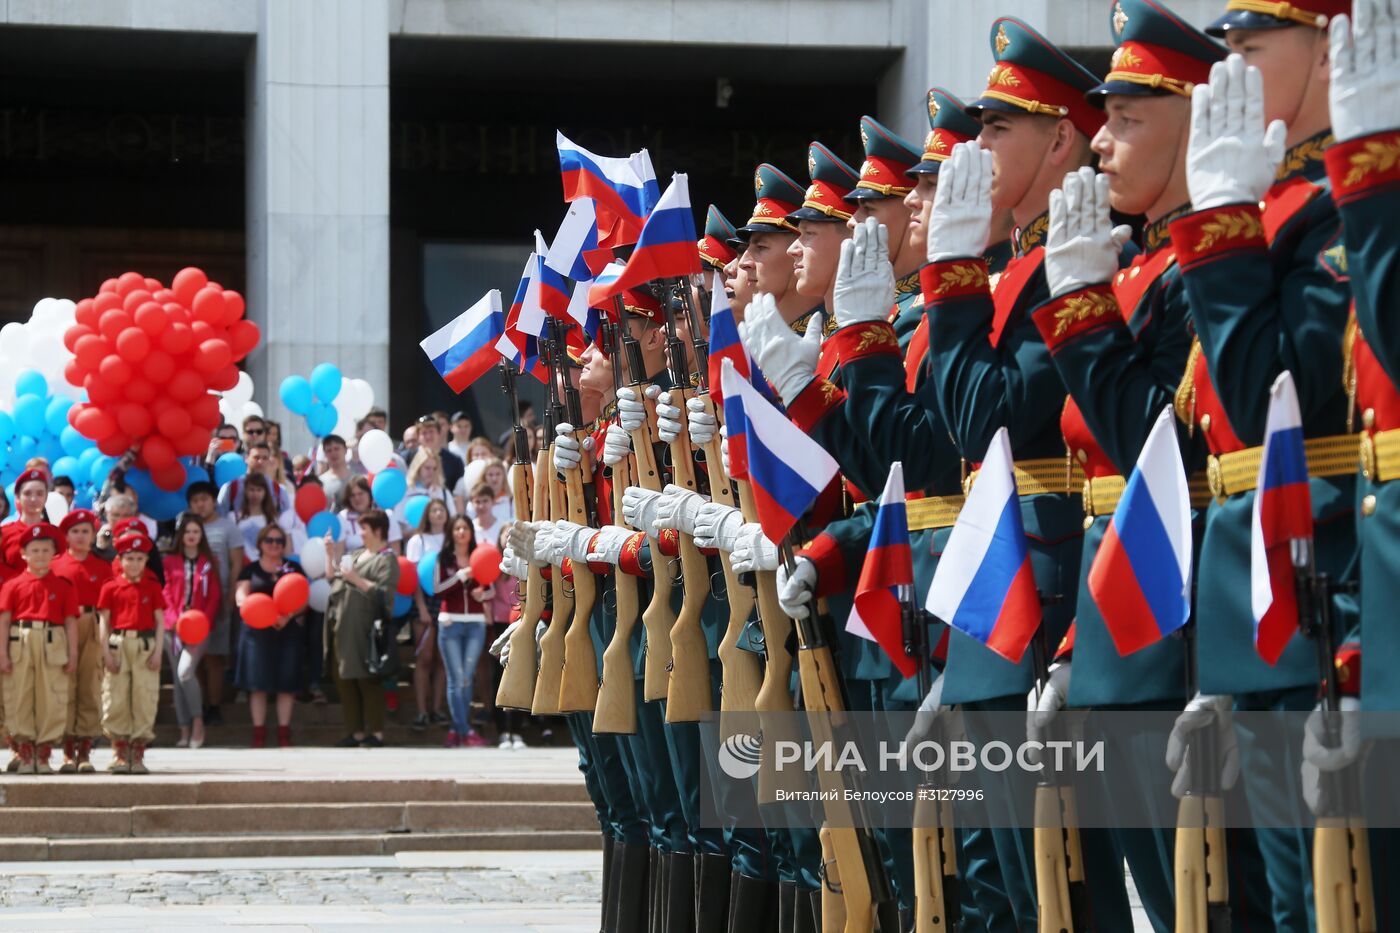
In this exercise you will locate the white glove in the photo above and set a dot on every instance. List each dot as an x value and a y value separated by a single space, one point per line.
1082 245
931 711
607 546
752 551
789 361
1319 756
717 526
961 220
1203 711
1043 705
522 540
724 448
669 423
571 540
677 509
514 565
702 423
1364 93
631 410
1231 157
567 452
639 509
795 590
546 541
501 646
864 276
617 444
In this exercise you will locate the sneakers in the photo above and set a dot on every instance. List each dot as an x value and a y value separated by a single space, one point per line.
371 741
138 758
41 759
260 737
119 763
318 696
284 736
516 741
85 757
349 742
440 719
505 741
420 722
453 740
474 740
26 758
70 757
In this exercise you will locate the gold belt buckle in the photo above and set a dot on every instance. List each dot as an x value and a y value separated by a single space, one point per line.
1368 457
1215 478
1089 497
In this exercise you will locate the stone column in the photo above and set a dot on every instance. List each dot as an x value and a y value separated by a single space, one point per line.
318 196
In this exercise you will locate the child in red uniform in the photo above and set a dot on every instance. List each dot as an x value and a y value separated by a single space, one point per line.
87 572
38 651
132 608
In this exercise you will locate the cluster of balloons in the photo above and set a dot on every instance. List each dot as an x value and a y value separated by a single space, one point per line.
148 357
388 483
289 596
37 426
237 403
37 344
330 403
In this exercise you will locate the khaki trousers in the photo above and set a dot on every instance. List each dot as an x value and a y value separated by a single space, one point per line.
85 686
36 690
130 695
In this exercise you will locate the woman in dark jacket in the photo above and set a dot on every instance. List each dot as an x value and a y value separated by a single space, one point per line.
362 590
269 659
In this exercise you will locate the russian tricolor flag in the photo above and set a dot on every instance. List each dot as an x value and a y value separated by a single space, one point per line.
889 564
624 191
1141 575
984 585
464 350
785 468
1282 515
524 323
666 248
726 345
554 292
575 252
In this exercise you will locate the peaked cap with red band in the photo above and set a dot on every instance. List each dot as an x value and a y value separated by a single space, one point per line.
888 157
949 124
777 196
1267 14
1032 75
1158 52
714 243
832 180
641 303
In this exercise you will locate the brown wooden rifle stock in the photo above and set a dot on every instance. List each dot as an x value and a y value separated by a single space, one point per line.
741 673
1202 879
936 897
578 684
546 700
1061 890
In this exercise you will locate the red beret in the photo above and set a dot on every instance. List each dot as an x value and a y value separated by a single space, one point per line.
133 542
77 517
40 531
29 476
128 524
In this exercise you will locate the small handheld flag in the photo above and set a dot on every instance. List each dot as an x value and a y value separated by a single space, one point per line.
726 345
554 294
889 564
575 252
465 350
524 323
666 248
785 468
1141 575
984 586
1282 515
624 191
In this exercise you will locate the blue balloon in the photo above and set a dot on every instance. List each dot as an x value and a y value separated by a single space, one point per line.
320 420
426 565
29 415
73 443
229 467
402 604
325 381
295 393
86 459
82 497
101 468
321 523
49 447
388 488
56 414
7 427
147 492
69 467
413 511
31 383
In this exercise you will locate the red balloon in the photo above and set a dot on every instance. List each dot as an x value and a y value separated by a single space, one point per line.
91 351
128 282
113 322
224 378
115 370
408 576
162 295
192 627
209 306
185 386
204 412
108 285
174 422
187 283
485 564
310 499
176 338
135 299
158 453
203 331
258 611
139 390
73 372
100 391
150 317
93 423
213 354
158 367
233 308
77 332
114 444
243 337
152 285
134 344
171 478
176 312
104 302
290 594
134 419
193 444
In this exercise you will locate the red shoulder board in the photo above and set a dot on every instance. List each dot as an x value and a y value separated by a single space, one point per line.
1130 284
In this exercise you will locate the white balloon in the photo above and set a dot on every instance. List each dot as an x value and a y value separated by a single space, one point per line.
356 398
56 506
319 596
242 393
14 337
252 410
376 450
313 557
344 426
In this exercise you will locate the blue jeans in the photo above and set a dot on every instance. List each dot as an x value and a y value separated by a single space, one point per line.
461 644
